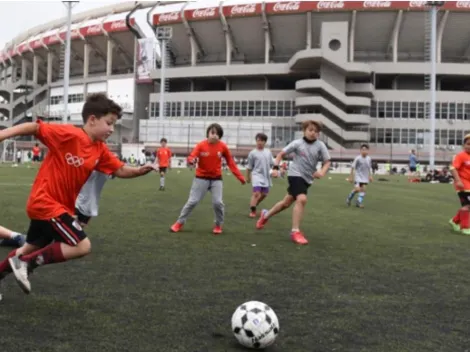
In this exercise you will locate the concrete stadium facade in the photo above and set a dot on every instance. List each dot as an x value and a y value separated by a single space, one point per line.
361 67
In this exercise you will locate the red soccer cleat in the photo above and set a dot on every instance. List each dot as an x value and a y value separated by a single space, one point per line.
262 220
176 227
298 237
217 230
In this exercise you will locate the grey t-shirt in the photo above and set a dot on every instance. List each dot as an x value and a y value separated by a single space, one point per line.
306 157
89 196
260 163
362 167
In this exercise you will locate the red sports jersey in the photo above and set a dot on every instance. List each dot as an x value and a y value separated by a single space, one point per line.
71 158
164 156
461 163
36 151
209 157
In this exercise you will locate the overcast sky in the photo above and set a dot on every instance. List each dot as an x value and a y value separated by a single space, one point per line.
19 16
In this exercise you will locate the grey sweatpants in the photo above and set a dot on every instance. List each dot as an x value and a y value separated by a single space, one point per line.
199 189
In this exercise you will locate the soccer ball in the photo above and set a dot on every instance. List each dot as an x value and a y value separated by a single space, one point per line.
255 325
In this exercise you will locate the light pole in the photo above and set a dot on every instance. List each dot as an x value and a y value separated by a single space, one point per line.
433 8
69 5
164 34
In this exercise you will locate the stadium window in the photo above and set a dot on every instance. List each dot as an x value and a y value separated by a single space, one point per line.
389 109
443 137
272 108
420 110
396 109
210 108
459 111
237 108
251 108
380 135
373 108
412 136
223 108
381 109
373 135
265 108
405 110
412 109
280 109
230 108
197 109
216 108
404 136
452 138
437 137
259 108
420 137
192 108
244 108
452 111
396 135
203 108
444 111
388 135
157 109
459 137
186 108
466 114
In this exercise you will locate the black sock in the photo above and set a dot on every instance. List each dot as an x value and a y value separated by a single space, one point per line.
253 209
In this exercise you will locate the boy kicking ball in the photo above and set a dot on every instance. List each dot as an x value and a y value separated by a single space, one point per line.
361 173
308 152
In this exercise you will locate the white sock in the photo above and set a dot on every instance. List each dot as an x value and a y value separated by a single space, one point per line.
295 230
14 234
162 181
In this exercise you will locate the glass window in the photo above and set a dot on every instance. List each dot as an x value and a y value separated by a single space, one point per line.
237 105
272 108
452 138
380 135
388 135
216 108
412 136
223 108
373 108
452 111
420 137
244 108
459 111
251 108
192 108
405 109
230 108
389 109
258 108
210 108
373 135
396 135
412 110
420 110
437 137
265 108
404 136
444 137
381 109
459 137
444 111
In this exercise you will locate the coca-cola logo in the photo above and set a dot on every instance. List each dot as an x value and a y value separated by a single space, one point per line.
414 4
169 17
463 4
204 13
118 25
330 5
377 4
243 9
93 29
286 6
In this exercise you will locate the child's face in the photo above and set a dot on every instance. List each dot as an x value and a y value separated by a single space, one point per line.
364 152
213 137
163 144
260 143
103 127
466 146
311 133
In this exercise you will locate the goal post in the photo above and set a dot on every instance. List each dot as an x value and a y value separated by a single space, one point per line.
8 151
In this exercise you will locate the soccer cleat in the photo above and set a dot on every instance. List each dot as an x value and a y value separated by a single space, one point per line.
217 230
465 232
455 227
176 227
298 237
262 220
253 214
360 205
20 270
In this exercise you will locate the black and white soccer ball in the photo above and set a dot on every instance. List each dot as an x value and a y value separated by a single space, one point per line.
255 325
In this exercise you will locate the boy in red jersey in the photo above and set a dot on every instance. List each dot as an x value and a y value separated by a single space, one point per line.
461 172
36 152
54 234
209 155
163 160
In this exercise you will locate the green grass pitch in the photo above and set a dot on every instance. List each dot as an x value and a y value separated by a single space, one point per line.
391 277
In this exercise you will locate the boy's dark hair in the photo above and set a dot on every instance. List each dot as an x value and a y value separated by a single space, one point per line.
217 128
163 140
99 105
37 144
261 137
365 146
308 123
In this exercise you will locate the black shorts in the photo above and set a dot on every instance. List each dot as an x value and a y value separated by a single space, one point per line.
35 157
361 184
464 198
162 169
412 168
297 186
63 228
84 219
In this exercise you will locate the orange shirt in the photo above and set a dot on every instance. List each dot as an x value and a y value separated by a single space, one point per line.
71 158
461 163
36 151
164 157
209 157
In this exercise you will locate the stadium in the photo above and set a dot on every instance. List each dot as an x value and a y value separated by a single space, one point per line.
385 274
362 68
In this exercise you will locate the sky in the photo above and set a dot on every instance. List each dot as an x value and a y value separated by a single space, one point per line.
19 16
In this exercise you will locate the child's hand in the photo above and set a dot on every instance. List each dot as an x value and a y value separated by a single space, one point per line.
145 169
318 174
459 184
371 179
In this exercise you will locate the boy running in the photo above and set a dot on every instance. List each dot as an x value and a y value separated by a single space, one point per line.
163 159
461 172
54 235
361 173
308 152
208 155
259 164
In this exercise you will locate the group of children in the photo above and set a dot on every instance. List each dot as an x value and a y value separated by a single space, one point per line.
66 191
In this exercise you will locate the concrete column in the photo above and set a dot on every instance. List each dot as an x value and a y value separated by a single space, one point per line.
14 70
308 41
109 58
86 60
36 60
193 51
50 59
228 48
267 46
24 69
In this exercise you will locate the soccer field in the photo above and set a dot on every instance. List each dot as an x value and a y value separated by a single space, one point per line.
390 277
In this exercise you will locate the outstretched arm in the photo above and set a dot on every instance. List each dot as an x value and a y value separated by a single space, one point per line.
232 165
127 171
24 129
